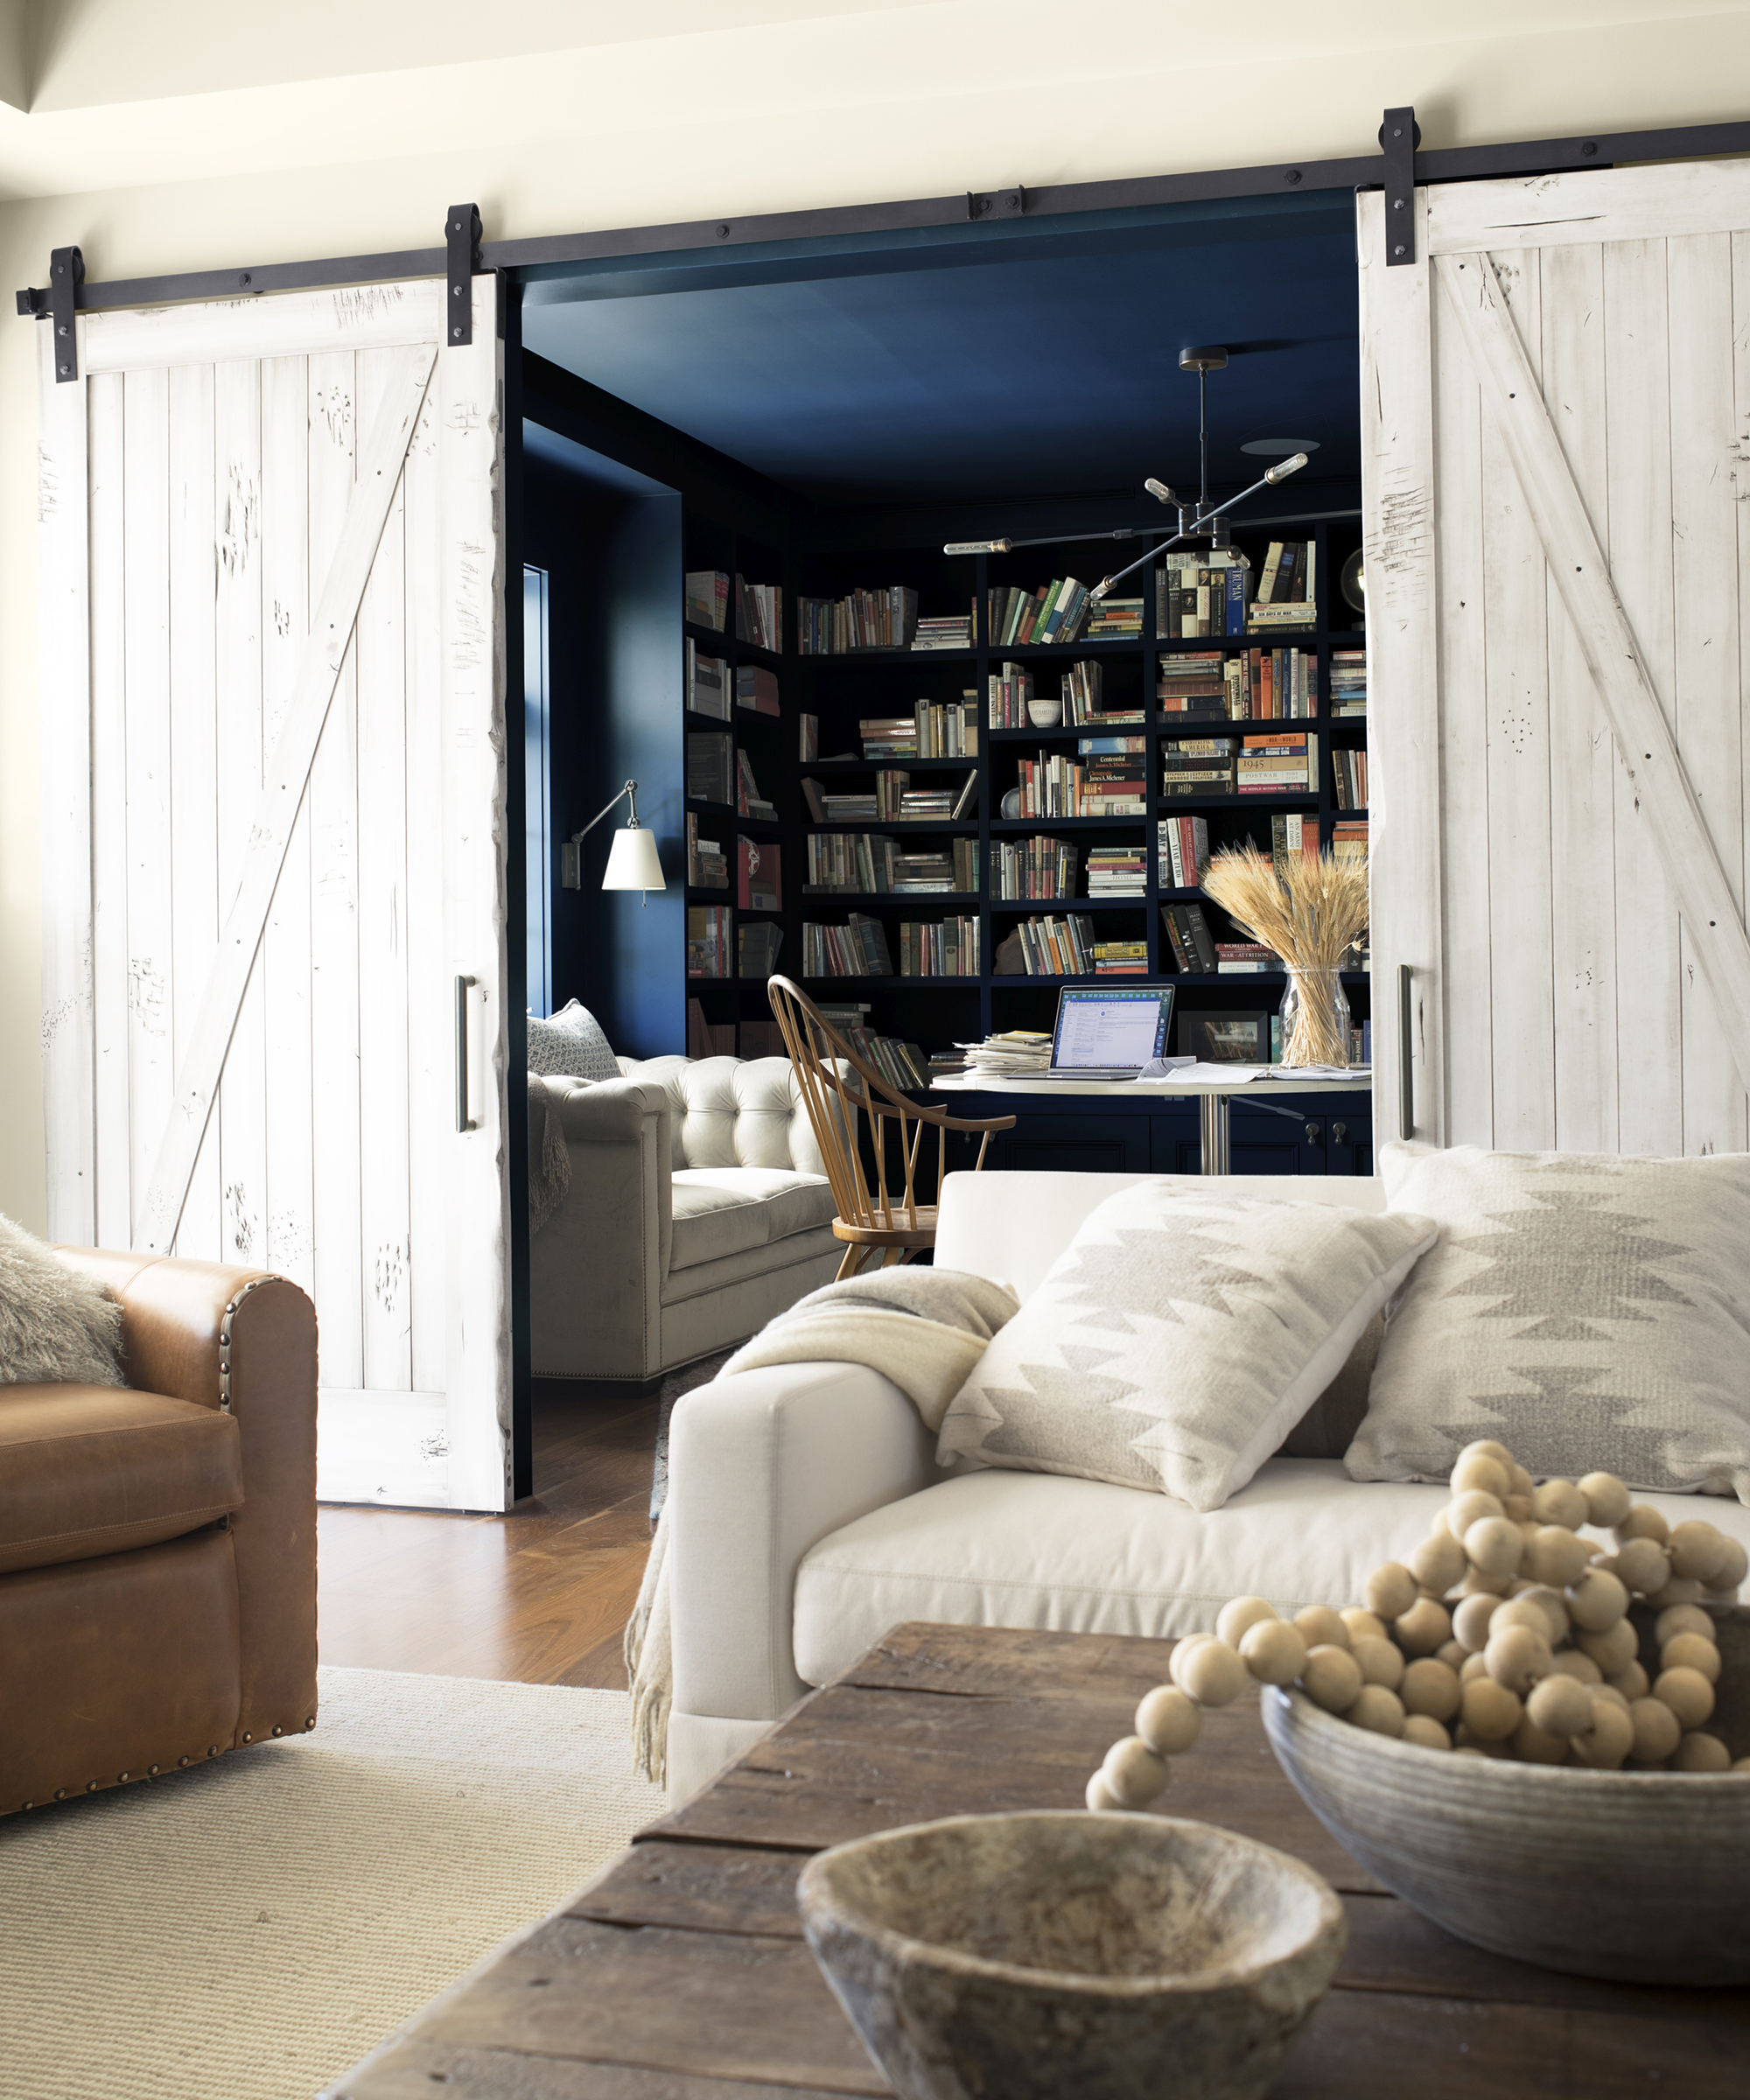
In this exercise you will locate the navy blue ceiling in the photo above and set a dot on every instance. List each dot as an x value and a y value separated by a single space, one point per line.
916 368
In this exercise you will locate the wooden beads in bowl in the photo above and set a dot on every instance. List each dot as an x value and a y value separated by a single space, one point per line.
1504 1634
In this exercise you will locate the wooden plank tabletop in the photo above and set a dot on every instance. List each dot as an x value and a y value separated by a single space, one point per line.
679 1973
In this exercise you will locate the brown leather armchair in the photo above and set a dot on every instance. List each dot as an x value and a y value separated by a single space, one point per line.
157 1541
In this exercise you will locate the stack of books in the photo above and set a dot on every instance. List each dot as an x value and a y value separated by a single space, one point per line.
859 948
1120 958
943 631
1115 619
952 869
1083 697
1182 851
756 688
706 867
708 948
1022 868
867 861
941 947
1116 871
1348 682
854 806
1197 765
748 800
1287 587
707 682
1244 959
1349 839
1195 682
920 805
1349 777
1188 936
710 766
1010 689
1012 1054
947 1064
842 1014
931 731
707 598
1285 762
760 886
760 615
757 948
1054 613
1201 594
1057 948
867 619
1113 782
1292 836
902 1064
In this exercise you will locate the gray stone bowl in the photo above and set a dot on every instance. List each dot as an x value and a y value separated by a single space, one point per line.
1110 1957
1640 1876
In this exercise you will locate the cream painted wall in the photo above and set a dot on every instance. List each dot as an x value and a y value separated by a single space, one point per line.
803 103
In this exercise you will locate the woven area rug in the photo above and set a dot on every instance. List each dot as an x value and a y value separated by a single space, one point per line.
246 1929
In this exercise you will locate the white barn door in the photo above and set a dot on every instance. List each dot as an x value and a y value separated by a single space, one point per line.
274 786
1555 440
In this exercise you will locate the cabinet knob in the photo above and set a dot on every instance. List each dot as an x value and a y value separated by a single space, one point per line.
1313 1133
1340 1132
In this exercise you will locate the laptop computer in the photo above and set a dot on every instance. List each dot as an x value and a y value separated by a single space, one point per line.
1103 1034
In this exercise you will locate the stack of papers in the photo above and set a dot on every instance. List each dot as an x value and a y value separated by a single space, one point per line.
1018 1053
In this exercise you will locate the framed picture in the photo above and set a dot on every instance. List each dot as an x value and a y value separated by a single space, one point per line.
1225 1039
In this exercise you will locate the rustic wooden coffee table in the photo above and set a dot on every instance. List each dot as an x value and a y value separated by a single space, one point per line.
680 1973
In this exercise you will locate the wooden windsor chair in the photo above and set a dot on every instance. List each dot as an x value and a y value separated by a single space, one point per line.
870 1219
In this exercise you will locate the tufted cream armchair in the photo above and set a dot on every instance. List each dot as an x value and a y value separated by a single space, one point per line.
699 1207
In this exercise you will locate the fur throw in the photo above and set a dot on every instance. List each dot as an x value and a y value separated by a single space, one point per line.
57 1327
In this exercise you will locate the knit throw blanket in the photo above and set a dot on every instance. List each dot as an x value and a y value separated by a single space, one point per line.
550 1173
923 1328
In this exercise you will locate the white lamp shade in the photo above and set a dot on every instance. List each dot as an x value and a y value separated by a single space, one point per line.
632 862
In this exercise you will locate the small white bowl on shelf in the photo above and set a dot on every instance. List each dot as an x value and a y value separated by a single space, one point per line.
1044 714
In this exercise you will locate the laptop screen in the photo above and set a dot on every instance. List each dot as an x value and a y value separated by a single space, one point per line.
1112 1031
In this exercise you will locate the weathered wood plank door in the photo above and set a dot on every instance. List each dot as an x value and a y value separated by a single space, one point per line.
1556 426
274 800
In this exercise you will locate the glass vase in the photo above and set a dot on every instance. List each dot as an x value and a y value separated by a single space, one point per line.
1315 1019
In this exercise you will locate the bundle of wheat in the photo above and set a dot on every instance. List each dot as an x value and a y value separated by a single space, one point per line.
1309 914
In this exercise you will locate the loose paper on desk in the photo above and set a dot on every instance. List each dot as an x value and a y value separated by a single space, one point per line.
1189 1072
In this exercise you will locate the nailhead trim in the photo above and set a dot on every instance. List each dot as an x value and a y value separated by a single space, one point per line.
225 1318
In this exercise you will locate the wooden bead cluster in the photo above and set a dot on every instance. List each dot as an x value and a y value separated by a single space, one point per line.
1504 1634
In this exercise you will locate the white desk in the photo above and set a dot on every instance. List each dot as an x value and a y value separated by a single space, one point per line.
1214 1097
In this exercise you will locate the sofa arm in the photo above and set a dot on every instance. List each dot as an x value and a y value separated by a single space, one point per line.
245 1340
763 1465
596 1267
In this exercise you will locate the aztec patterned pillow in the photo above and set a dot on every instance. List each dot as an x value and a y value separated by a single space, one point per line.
571 1045
1591 1312
1178 1338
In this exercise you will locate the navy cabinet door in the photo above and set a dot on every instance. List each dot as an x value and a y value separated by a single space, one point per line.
1075 1144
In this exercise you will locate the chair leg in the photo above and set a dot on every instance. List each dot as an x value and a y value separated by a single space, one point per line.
852 1262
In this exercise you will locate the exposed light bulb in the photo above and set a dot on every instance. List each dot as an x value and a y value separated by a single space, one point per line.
1159 490
1283 468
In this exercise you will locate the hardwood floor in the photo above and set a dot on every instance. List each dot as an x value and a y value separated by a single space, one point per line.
541 1595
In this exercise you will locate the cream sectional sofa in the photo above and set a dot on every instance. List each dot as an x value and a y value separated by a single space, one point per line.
807 1515
698 1208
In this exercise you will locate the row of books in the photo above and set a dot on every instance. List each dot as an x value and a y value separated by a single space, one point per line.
1245 958
757 947
1188 937
1111 784
1349 779
890 799
1218 591
708 948
707 598
1282 762
933 730
1348 682
875 619
939 947
1054 613
709 685
760 615
1349 839
944 631
1181 851
724 1038
901 1064
759 875
1292 835
716 771
1048 946
859 948
1036 867
865 861
1116 871
707 869
1251 685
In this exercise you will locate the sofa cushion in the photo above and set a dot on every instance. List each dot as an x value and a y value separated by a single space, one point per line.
1589 1309
93 1469
1072 1556
722 1211
733 1111
1180 1337
571 1046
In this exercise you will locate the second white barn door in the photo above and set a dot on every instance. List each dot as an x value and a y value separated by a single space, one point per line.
274 838
1556 426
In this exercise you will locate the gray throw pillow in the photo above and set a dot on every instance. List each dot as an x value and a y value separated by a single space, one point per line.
1591 1311
571 1046
1178 1338
57 1326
